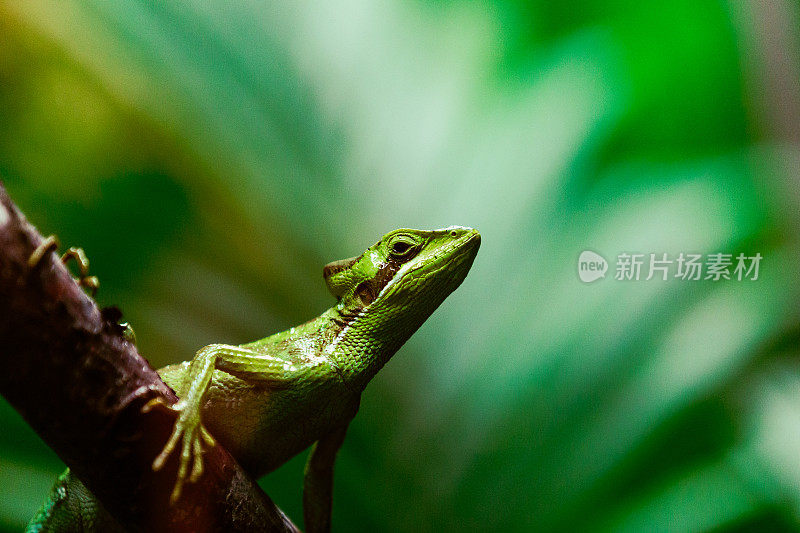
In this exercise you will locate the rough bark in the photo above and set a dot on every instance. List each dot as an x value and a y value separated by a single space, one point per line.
67 369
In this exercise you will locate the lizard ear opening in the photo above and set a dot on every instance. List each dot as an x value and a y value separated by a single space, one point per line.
338 277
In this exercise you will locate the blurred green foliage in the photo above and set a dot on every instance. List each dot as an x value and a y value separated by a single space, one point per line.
211 157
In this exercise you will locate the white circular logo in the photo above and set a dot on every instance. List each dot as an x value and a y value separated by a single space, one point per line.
591 266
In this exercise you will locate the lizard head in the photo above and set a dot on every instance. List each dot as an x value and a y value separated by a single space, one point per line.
386 293
408 271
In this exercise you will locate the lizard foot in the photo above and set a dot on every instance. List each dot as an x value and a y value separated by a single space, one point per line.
192 435
51 244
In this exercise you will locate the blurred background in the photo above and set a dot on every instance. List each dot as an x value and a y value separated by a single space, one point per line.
211 157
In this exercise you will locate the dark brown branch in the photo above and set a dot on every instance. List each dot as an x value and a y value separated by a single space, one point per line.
68 370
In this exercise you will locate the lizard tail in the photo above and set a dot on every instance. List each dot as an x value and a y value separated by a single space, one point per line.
71 508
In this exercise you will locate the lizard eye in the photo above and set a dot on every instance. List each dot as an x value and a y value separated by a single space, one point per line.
400 248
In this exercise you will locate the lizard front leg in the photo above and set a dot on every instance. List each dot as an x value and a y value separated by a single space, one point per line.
318 482
188 429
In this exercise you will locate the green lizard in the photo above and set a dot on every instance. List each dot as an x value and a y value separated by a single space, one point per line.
308 378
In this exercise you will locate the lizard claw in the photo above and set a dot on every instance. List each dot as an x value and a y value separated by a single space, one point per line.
192 436
155 402
84 279
49 244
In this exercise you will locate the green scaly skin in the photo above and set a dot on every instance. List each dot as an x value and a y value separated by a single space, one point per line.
308 378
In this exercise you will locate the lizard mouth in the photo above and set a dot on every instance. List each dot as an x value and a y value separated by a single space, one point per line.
453 253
